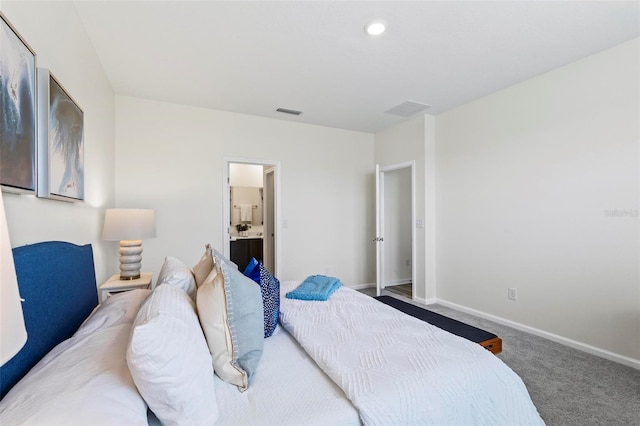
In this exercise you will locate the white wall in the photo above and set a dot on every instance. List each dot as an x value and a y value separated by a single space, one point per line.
170 157
246 181
248 175
537 186
246 195
55 32
528 180
413 140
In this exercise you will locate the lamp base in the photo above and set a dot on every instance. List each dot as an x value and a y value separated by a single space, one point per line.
125 278
130 259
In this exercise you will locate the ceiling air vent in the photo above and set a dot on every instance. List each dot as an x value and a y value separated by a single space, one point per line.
408 108
289 111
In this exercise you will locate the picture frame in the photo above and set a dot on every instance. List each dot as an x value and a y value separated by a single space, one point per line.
18 112
60 141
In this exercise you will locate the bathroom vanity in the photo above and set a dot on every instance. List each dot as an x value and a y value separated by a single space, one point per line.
244 248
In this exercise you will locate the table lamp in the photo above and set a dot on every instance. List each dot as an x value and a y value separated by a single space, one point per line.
13 333
130 227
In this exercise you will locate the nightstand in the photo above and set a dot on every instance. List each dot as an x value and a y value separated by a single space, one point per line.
115 285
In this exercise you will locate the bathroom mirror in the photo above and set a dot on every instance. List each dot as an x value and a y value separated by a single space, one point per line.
247 196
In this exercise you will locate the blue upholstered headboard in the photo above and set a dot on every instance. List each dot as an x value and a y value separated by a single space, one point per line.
57 281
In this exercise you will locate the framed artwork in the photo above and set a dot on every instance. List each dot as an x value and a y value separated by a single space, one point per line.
17 111
60 141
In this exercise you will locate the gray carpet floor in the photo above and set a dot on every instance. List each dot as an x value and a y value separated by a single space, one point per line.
569 387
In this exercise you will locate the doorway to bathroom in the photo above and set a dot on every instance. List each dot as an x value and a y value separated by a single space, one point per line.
251 205
395 231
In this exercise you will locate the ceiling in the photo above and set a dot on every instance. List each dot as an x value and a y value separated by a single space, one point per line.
314 56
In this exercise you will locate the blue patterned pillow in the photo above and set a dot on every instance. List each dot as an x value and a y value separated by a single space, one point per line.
252 270
270 287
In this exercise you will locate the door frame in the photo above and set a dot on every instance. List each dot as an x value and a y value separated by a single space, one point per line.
379 239
226 205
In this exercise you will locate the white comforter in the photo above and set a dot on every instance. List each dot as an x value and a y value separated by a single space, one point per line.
85 379
287 389
396 369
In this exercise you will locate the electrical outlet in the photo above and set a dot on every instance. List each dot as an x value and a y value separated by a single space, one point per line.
512 294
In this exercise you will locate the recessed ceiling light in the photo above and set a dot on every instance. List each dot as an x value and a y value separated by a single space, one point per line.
375 28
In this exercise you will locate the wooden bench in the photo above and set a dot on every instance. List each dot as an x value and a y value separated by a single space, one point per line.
488 340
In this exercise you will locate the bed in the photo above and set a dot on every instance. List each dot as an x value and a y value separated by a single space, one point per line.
322 364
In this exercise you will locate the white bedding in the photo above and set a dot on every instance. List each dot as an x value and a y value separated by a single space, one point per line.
382 367
85 379
288 389
399 370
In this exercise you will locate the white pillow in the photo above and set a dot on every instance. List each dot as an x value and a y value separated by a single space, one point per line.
169 360
231 315
84 380
175 273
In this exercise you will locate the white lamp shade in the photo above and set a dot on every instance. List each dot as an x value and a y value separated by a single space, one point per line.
13 333
129 224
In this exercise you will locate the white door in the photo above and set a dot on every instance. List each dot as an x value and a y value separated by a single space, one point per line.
380 220
269 250
378 239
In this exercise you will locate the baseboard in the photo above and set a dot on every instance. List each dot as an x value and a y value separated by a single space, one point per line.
602 353
425 301
362 286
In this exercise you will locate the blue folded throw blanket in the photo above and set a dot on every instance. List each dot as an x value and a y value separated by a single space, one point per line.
315 287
